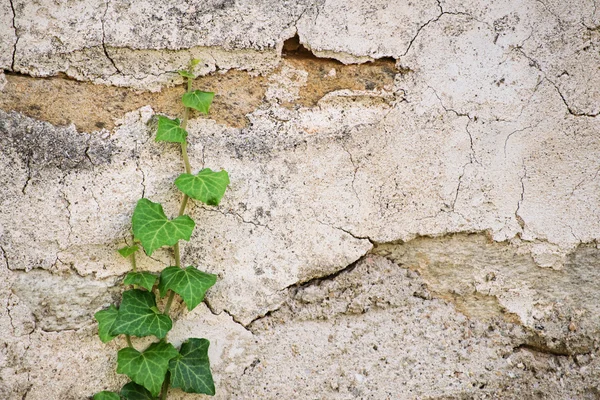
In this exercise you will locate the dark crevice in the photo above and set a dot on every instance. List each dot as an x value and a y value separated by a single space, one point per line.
293 48
303 284
14 53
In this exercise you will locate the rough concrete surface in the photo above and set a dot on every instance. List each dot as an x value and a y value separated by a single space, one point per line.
414 208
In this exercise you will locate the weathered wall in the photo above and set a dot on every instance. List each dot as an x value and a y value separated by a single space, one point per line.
414 209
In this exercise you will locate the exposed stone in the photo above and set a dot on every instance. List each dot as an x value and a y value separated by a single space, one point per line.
486 279
366 333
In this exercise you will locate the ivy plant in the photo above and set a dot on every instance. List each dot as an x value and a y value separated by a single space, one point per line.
159 366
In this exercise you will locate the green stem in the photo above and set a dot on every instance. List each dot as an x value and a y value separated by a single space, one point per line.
183 204
186 160
184 121
169 302
165 387
184 201
133 263
177 256
128 338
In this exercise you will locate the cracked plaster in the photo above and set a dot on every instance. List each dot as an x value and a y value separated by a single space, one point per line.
489 128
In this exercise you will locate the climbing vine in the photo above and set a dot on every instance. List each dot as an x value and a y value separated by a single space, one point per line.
160 366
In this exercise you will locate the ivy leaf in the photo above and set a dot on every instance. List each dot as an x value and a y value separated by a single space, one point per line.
190 370
186 74
143 279
139 316
208 186
128 250
105 395
198 100
170 131
154 230
148 368
190 283
106 319
133 391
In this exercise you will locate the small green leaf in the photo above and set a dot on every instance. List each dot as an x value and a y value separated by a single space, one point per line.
154 230
186 74
198 100
106 319
143 279
194 62
128 250
133 391
189 283
137 317
170 131
148 368
190 370
208 186
105 395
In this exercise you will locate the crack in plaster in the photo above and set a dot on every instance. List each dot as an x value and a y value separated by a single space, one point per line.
533 63
69 215
519 219
516 131
433 20
14 52
581 182
373 242
236 214
245 327
29 156
5 257
102 21
302 284
569 108
355 167
472 154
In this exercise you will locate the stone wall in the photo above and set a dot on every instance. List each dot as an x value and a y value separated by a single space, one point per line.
414 208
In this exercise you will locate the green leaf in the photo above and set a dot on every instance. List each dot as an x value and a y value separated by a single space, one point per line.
138 316
106 319
186 74
198 100
190 370
208 186
170 131
189 283
154 230
194 62
133 391
128 250
148 368
143 279
105 395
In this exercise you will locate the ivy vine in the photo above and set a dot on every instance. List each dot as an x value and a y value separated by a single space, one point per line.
160 366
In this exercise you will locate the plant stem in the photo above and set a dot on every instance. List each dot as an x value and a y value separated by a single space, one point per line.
133 263
169 302
183 204
184 121
128 338
165 387
177 256
184 201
